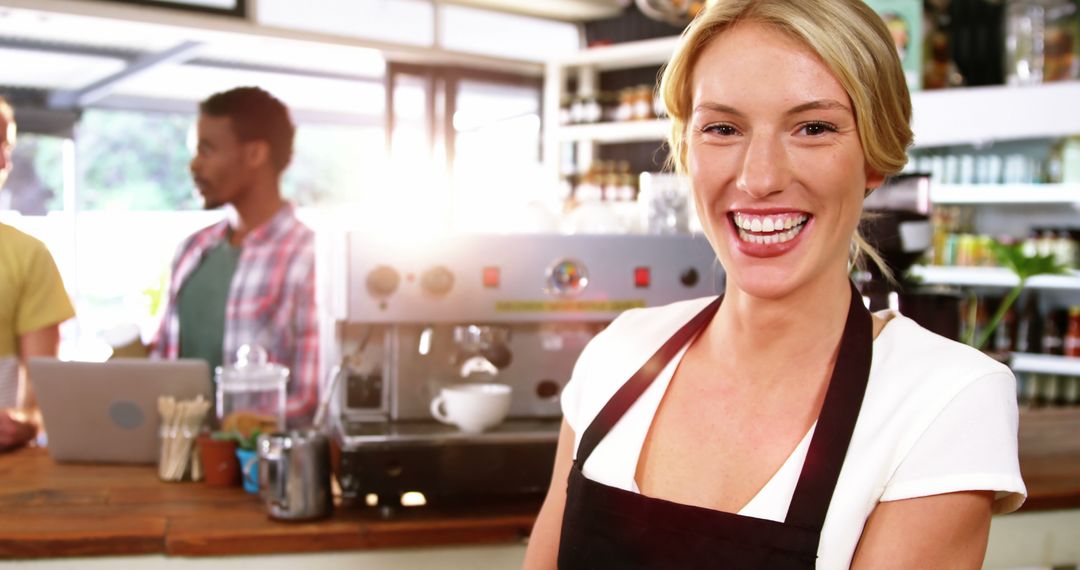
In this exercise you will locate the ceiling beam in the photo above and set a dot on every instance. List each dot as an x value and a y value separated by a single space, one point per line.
564 10
219 63
207 25
79 98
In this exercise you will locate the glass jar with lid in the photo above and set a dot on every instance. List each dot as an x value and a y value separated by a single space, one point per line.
251 393
1041 41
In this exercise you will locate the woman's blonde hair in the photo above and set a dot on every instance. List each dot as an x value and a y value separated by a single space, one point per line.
848 36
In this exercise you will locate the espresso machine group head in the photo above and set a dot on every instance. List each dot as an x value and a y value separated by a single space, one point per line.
411 318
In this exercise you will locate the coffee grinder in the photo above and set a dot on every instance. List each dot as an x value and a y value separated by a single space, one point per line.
897 223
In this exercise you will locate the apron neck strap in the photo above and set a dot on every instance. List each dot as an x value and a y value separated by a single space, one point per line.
839 412
640 381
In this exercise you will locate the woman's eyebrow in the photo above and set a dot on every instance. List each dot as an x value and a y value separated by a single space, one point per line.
719 108
819 105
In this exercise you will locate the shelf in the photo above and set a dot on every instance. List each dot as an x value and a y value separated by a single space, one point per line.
1045 364
623 55
945 117
1005 193
979 115
990 277
622 132
973 115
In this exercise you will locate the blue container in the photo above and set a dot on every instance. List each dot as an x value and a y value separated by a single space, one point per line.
249 468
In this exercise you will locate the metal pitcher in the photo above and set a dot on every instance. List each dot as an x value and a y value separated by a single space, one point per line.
294 475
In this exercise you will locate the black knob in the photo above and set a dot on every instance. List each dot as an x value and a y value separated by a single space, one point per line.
382 281
498 354
437 281
689 277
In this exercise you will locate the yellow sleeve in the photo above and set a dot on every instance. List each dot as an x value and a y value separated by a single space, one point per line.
44 301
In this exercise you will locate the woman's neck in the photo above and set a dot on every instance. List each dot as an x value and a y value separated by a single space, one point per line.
797 331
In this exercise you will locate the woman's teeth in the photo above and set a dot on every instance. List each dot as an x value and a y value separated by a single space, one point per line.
777 228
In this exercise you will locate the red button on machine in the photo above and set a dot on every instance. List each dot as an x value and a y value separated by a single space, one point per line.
491 277
642 277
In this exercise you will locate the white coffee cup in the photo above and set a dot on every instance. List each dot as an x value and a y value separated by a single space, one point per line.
472 407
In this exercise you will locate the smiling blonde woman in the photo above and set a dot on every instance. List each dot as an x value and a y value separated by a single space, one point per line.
781 425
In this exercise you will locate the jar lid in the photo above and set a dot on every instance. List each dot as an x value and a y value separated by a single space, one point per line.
252 369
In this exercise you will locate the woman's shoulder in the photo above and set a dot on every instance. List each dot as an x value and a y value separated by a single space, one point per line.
660 318
915 365
648 327
905 342
618 352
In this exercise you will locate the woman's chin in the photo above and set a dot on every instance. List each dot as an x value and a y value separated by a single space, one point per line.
769 282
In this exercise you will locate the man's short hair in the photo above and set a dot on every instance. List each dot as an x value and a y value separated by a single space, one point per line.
256 115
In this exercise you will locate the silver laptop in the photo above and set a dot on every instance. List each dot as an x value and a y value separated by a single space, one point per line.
107 411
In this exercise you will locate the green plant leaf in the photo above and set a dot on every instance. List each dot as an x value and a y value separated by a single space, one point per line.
1026 266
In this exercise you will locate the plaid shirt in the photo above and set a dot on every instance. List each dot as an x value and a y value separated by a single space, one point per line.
271 302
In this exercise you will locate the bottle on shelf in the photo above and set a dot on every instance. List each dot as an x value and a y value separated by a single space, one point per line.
1029 327
1027 387
1005 334
1070 390
1053 340
1072 334
1070 160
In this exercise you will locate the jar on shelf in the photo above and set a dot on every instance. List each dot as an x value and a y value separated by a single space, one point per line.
1040 41
609 106
251 393
643 103
624 107
591 112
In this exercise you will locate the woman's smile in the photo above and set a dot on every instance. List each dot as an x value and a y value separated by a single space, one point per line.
768 233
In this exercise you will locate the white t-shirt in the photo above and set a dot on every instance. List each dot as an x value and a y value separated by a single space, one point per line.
937 417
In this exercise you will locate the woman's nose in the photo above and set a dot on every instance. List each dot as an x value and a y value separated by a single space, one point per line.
765 168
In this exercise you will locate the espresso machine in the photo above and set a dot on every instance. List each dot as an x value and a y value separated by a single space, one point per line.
407 318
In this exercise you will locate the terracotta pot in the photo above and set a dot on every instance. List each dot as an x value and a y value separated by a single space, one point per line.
219 461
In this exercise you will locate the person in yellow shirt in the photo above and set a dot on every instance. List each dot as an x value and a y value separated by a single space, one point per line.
33 303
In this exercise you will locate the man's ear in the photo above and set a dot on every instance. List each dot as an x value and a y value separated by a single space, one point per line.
256 153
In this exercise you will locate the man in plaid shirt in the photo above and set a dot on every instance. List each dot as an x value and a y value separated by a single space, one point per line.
249 279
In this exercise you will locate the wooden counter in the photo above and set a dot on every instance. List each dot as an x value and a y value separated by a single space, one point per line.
51 510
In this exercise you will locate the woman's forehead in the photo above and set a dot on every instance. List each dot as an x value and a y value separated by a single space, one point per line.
758 63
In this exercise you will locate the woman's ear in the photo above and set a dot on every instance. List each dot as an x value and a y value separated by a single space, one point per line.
874 179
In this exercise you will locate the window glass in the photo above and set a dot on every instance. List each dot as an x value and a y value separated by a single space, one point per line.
497 170
35 185
334 164
135 161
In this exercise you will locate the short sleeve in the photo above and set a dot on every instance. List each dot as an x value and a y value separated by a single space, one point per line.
570 399
970 446
44 301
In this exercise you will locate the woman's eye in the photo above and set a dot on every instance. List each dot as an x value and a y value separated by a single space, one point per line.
721 129
816 129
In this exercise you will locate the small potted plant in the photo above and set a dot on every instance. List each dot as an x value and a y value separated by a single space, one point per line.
217 450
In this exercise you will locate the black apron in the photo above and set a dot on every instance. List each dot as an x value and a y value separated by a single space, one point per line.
607 527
